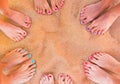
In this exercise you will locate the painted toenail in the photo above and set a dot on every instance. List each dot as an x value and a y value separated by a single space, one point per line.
86 63
88 28
82 22
29 55
33 61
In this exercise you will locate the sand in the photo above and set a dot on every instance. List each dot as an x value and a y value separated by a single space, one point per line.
59 43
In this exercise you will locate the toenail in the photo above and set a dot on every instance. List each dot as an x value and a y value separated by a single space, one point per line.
82 22
29 55
86 63
61 75
88 28
33 61
35 65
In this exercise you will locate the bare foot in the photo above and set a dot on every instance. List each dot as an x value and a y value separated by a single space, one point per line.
43 7
13 32
64 79
105 61
15 57
57 4
90 12
18 17
103 23
23 74
47 79
96 74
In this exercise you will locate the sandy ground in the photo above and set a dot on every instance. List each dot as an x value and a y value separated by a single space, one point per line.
59 43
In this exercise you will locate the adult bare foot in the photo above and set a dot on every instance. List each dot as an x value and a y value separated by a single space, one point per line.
57 4
47 79
105 61
15 57
22 75
18 17
103 23
13 32
64 79
43 7
97 75
90 12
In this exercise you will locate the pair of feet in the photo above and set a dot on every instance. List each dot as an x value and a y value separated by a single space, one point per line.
101 24
16 33
62 79
93 68
21 75
48 6
13 32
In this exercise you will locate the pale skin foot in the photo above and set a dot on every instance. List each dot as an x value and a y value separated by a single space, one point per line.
104 22
13 32
105 61
47 79
22 75
97 75
18 17
43 7
90 12
64 79
15 57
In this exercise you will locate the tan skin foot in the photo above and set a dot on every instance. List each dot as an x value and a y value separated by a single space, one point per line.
96 74
13 32
64 79
103 23
18 17
90 12
105 61
23 74
47 79
15 57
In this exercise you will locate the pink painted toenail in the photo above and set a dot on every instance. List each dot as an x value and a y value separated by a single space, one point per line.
86 63
61 75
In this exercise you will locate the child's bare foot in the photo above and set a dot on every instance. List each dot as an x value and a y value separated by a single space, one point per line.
47 79
105 61
15 57
22 75
13 32
64 79
97 75
43 7
103 23
90 12
18 17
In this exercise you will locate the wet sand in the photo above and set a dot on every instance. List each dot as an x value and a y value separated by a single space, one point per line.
59 43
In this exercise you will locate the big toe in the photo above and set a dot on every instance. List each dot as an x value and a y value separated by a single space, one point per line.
28 22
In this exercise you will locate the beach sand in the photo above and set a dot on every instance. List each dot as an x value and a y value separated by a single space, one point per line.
59 43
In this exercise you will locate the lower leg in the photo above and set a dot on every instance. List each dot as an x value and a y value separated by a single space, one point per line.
3 6
106 2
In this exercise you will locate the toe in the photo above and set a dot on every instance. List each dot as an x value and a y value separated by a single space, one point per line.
27 64
61 78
